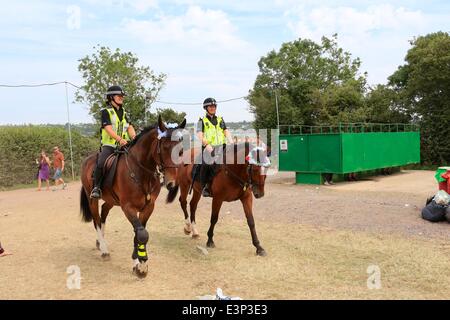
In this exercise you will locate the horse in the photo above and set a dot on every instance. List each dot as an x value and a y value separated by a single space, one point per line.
233 181
135 187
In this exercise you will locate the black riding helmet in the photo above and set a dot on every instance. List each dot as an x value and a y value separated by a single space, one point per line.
209 102
113 91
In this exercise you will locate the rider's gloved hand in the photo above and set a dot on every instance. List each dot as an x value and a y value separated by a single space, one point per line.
122 142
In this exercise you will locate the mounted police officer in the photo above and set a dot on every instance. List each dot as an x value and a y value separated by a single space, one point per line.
212 132
116 132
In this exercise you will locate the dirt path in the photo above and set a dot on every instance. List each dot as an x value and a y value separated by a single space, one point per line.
383 204
297 224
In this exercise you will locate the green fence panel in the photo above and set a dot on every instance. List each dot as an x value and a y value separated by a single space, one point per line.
348 152
325 153
296 157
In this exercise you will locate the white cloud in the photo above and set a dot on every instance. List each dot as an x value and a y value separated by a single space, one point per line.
141 5
352 22
208 30
144 5
378 34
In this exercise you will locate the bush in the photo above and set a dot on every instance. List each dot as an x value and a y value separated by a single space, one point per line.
21 145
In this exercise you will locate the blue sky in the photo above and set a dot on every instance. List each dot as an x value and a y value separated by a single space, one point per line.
207 48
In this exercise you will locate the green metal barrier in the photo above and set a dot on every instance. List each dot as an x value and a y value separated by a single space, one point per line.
356 147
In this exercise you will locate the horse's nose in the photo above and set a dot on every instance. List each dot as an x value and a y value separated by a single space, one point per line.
258 194
170 185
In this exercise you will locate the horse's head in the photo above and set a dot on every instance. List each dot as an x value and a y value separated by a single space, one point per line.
169 151
258 163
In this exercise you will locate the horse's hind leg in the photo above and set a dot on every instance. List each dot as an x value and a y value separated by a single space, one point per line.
193 208
101 243
247 203
106 207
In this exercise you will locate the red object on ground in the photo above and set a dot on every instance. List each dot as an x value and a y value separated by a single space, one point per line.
445 185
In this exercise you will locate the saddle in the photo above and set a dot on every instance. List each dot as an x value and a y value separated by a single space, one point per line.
109 169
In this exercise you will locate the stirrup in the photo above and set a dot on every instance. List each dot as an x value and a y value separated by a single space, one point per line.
96 193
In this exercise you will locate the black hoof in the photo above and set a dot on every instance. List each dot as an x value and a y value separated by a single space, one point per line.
261 252
210 244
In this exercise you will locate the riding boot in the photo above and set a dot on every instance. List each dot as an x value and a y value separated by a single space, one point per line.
206 192
96 192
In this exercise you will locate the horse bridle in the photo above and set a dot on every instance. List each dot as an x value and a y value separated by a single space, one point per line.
161 165
245 184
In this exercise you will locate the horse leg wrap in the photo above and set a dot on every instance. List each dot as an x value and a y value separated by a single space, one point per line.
142 239
141 235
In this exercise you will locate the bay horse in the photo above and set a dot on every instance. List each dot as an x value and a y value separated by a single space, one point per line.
135 187
239 180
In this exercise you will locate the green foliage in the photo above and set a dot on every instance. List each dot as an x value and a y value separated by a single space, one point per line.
423 87
105 68
85 129
168 115
386 106
315 83
21 146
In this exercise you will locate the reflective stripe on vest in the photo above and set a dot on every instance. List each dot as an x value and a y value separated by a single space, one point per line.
213 134
119 127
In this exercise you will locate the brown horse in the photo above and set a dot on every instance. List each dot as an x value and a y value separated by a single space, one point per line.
135 187
238 180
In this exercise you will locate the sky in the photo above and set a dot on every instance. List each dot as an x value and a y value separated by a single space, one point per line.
206 48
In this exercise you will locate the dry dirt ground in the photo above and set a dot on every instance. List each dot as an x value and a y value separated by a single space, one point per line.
322 242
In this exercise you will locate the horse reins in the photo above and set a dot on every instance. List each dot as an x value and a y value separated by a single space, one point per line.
245 184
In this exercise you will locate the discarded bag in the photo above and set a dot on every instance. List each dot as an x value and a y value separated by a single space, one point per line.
442 198
434 212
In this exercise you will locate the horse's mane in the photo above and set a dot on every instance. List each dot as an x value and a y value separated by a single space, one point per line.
142 133
147 130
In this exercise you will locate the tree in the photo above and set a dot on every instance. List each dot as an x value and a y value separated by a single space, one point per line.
315 83
423 86
385 105
105 68
168 115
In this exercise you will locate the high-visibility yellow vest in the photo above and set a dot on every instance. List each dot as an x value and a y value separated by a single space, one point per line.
213 134
119 127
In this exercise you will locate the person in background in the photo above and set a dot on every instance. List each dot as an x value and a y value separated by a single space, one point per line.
260 143
328 179
58 165
352 177
44 170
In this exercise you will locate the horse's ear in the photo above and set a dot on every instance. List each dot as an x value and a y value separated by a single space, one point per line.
183 124
161 124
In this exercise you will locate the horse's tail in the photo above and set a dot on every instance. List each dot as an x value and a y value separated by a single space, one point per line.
172 194
85 210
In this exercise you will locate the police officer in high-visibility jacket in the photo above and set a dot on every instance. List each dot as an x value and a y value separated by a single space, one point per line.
116 132
212 132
